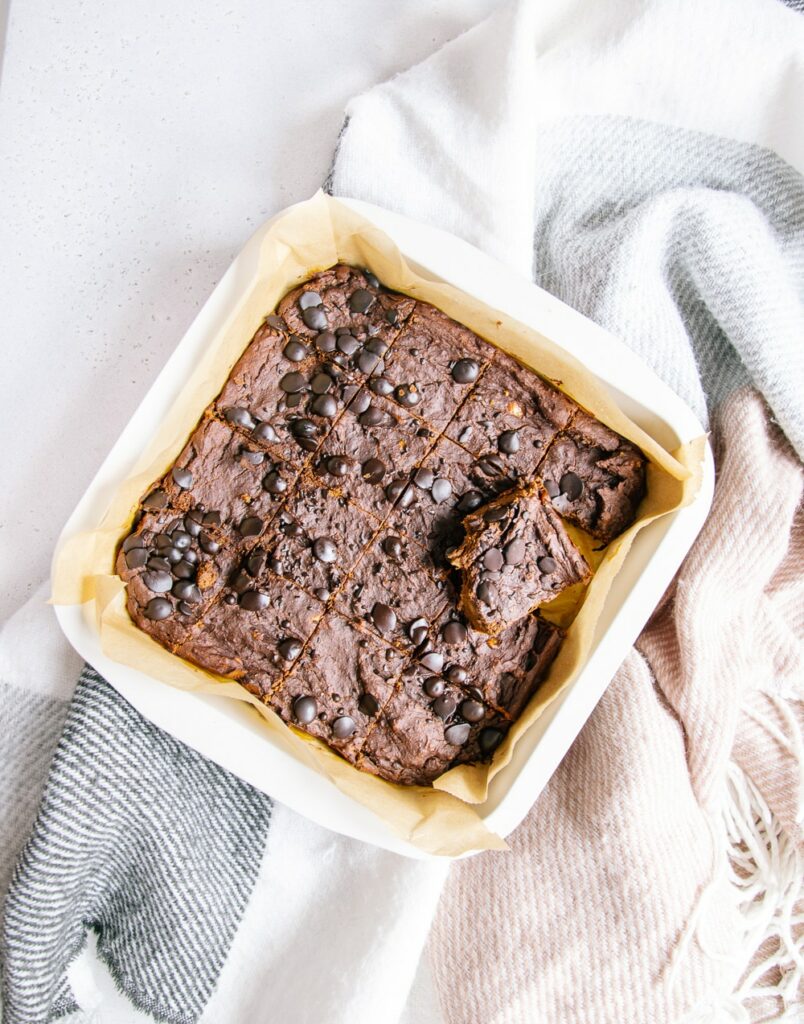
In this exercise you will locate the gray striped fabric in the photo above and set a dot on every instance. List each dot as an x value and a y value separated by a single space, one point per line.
143 841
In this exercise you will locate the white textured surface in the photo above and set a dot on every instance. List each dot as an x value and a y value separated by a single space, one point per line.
141 144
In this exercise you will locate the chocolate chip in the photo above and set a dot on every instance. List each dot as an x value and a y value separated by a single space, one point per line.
454 633
457 734
276 321
508 442
172 554
469 501
444 707
369 705
265 432
255 562
491 465
472 710
465 434
400 492
424 478
546 565
190 556
486 593
391 315
465 371
407 395
155 501
377 346
315 319
159 564
305 709
392 546
381 386
229 599
360 300
239 417
325 405
433 661
303 429
494 515
251 526
514 552
254 600
274 483
347 344
187 591
211 519
571 485
186 607
182 478
157 582
337 465
417 631
241 582
367 361
434 686
134 540
383 617
309 299
493 560
361 402
295 350
321 383
136 558
181 540
326 341
441 489
322 593
489 739
158 608
374 417
343 727
325 550
372 471
253 458
293 382
456 674
290 648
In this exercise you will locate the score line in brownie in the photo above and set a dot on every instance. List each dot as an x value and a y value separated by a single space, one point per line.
301 542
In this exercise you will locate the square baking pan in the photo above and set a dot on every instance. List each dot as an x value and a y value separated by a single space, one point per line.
228 731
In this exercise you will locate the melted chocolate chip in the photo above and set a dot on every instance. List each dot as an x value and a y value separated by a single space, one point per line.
315 319
547 565
290 648
369 705
274 483
136 558
158 608
360 300
254 600
324 405
265 432
465 371
343 727
392 546
456 674
373 470
489 739
239 417
434 686
472 710
469 501
337 465
182 478
307 300
325 550
295 350
407 395
326 341
251 526
508 442
157 582
433 661
155 501
305 709
454 633
571 485
457 734
383 617
444 707
493 560
441 490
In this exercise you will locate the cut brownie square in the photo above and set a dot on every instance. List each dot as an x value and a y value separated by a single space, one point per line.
255 632
348 299
504 670
510 419
375 443
445 487
434 365
595 477
428 726
173 566
395 590
339 685
516 555
317 537
215 471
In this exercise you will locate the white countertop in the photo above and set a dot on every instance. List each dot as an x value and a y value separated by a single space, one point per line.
141 144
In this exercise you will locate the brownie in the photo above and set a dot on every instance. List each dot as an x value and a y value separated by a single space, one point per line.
510 419
339 685
173 566
446 486
340 298
428 726
301 542
254 632
395 590
506 669
375 443
317 537
515 556
434 365
595 477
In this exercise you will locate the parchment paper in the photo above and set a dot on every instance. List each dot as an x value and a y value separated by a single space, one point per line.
300 242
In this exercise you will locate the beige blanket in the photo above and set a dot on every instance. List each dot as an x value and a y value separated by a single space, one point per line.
636 883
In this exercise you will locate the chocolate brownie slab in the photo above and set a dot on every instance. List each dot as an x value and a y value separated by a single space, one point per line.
510 418
395 590
434 365
375 443
339 685
516 555
595 477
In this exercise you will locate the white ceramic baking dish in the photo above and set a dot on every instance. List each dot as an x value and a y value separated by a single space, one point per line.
229 732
